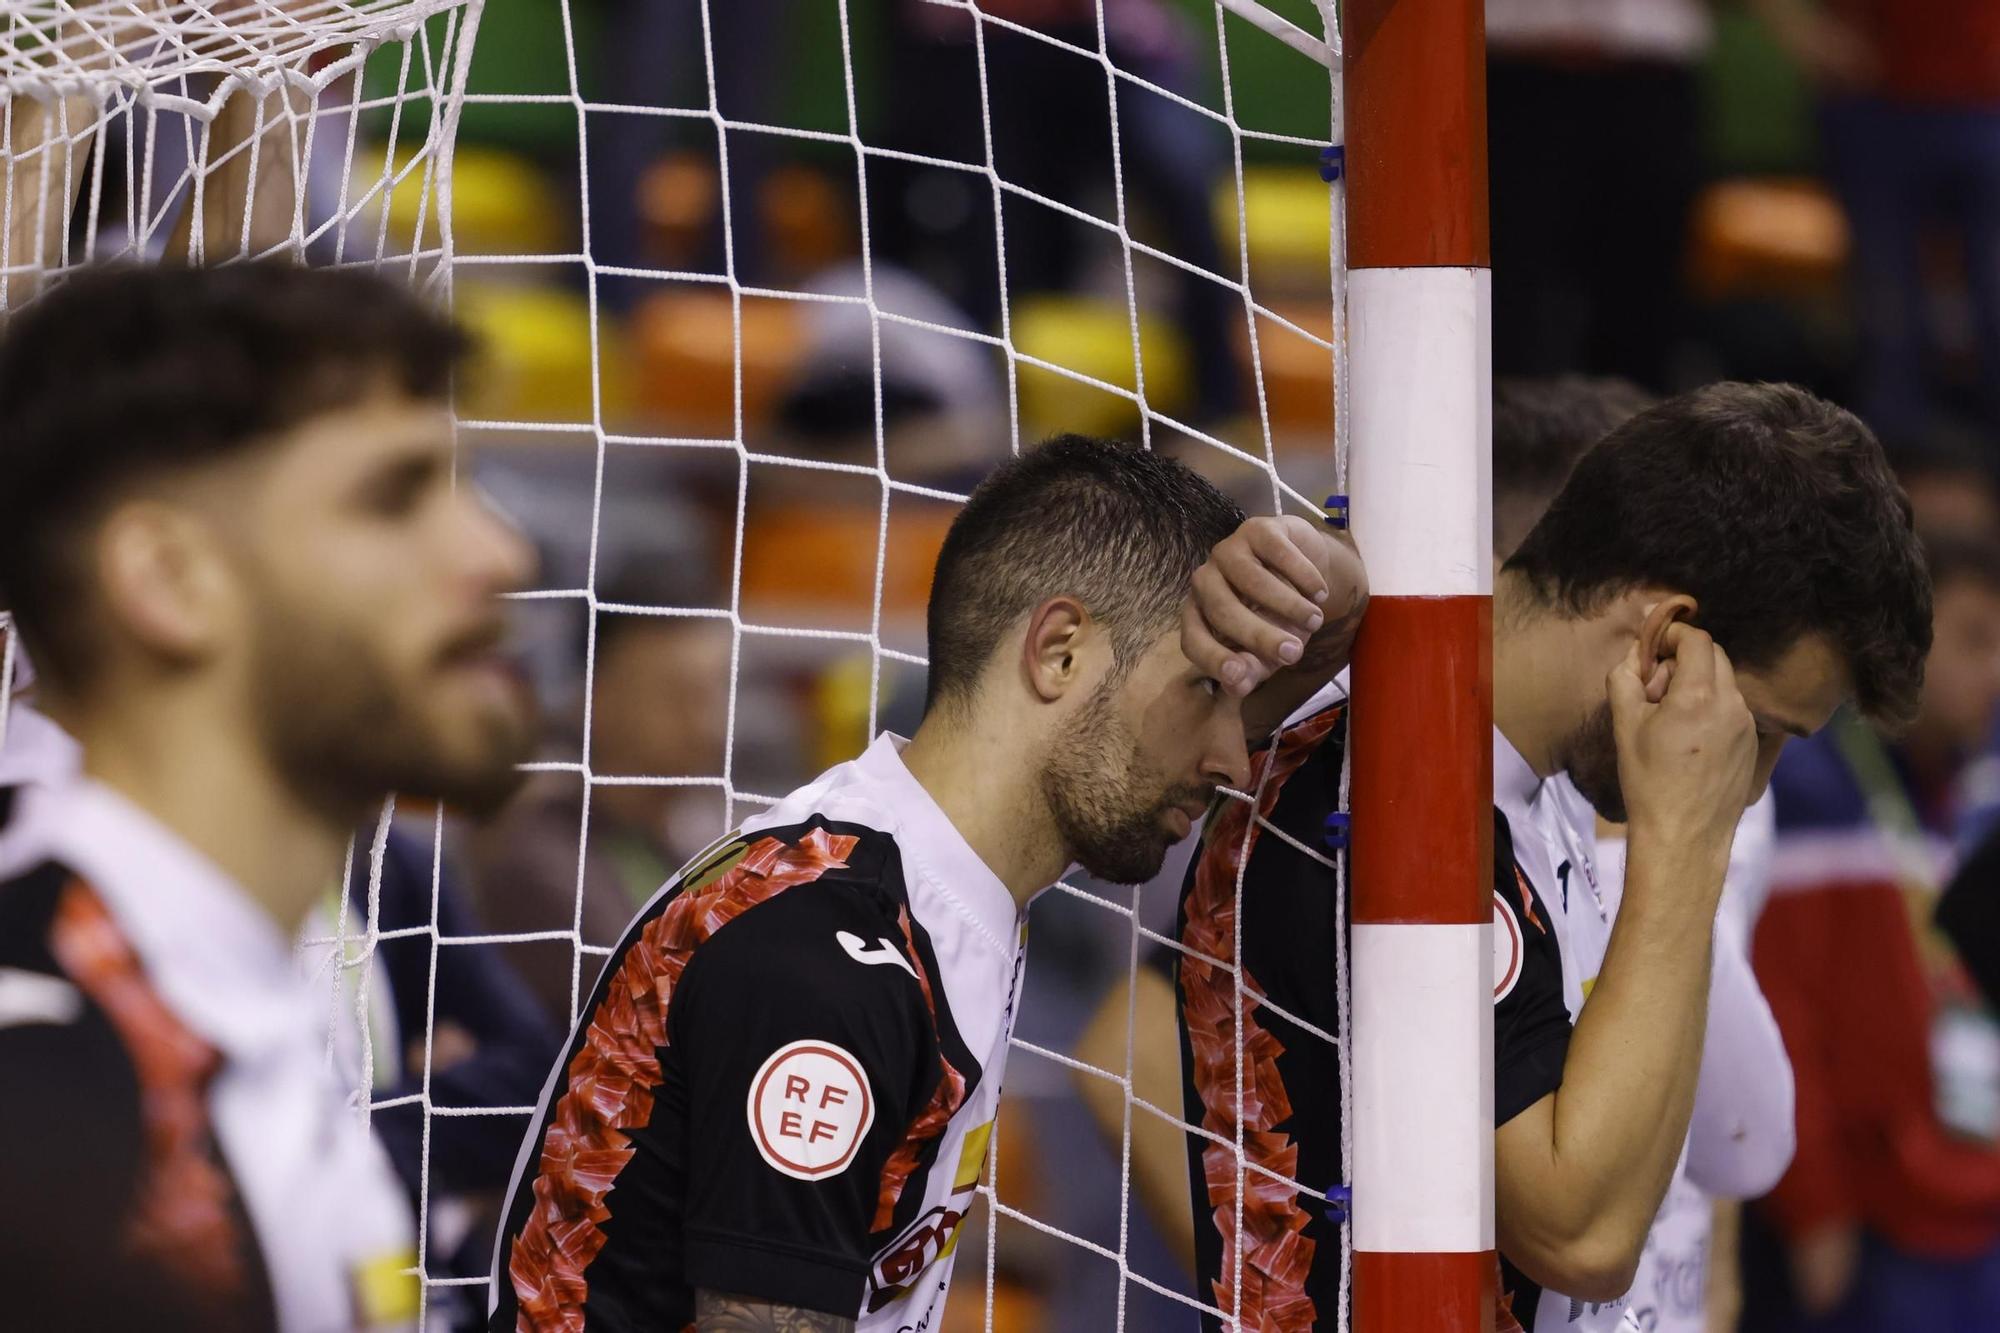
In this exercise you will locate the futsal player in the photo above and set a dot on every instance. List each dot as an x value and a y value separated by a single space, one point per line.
231 541
1721 573
775 1109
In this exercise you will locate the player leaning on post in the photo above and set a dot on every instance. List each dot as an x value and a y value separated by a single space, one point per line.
1720 573
230 538
775 1109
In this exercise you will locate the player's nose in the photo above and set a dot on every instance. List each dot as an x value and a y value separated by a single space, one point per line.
498 555
1227 763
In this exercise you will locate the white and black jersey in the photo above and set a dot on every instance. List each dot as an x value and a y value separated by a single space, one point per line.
1272 1257
173 1151
783 1084
1554 841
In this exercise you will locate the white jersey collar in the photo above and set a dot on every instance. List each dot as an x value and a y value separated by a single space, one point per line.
36 750
1516 785
939 850
213 954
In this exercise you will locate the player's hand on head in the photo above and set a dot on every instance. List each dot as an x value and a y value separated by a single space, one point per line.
1687 745
1262 596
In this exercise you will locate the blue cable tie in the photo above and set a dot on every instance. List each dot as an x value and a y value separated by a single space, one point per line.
1336 830
1336 511
1341 1200
1333 163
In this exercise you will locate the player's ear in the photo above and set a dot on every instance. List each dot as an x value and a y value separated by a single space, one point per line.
1653 628
162 579
1050 649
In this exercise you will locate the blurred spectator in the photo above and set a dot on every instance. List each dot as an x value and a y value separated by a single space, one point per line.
1051 133
1951 483
1911 122
943 406
711 57
1593 132
1890 1215
448 1023
1541 427
659 706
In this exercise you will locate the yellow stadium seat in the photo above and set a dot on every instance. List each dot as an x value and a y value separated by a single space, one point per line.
1287 212
1093 338
533 361
501 203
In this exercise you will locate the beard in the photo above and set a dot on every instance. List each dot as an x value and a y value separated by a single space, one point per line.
342 732
1590 757
1109 803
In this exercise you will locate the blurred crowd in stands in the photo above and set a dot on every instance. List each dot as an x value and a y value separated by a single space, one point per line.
1805 190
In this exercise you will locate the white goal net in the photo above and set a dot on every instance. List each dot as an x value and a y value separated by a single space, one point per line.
762 288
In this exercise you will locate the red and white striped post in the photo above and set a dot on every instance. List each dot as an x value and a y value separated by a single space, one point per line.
1420 471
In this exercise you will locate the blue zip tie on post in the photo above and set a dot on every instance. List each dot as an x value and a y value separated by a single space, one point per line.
1341 1200
1333 163
1336 511
1336 829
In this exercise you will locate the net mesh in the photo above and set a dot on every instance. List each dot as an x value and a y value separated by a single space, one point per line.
178 129
830 389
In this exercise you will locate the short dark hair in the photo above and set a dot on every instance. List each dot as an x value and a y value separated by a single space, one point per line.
126 371
1774 509
1541 427
1120 528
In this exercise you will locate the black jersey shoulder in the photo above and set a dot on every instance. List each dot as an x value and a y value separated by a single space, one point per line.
73 1117
1531 1022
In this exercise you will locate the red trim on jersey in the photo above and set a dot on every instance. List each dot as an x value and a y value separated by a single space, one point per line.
1279 1255
182 1220
1504 1318
1528 901
930 1122
611 1079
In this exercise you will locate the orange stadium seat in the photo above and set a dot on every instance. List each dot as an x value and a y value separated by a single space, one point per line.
1767 237
817 556
685 342
1297 372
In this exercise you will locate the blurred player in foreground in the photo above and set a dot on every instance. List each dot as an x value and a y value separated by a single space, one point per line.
231 540
1720 573
775 1111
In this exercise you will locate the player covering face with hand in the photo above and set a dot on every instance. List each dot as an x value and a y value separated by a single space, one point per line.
1720 573
775 1109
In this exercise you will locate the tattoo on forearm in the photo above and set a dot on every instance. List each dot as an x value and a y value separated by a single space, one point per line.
718 1312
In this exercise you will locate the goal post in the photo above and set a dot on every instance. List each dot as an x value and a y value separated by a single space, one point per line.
1420 481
